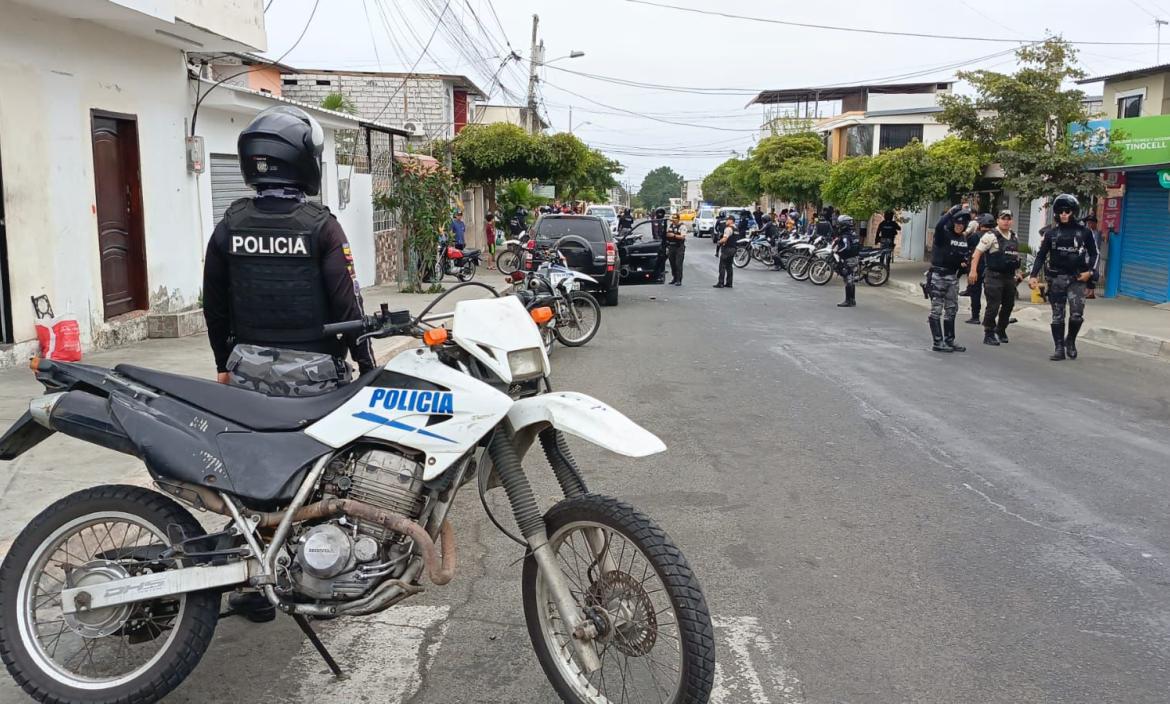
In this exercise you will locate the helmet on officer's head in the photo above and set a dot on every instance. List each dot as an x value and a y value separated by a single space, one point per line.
282 147
1066 202
986 220
845 222
766 219
660 213
963 217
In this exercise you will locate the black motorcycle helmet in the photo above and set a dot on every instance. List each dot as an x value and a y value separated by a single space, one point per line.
766 219
282 147
963 217
986 220
1066 202
660 213
889 215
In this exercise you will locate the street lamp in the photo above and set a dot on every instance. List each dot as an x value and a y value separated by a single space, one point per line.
570 55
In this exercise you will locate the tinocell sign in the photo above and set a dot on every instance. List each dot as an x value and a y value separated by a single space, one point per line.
1145 141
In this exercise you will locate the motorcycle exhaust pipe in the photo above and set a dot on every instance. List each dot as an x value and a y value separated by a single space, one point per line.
83 416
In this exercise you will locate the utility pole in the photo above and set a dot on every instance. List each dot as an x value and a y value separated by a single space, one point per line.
1158 28
570 119
535 56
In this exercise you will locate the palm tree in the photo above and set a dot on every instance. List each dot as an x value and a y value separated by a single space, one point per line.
339 103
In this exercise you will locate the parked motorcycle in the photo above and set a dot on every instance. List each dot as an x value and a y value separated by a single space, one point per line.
875 266
337 505
576 313
452 261
511 257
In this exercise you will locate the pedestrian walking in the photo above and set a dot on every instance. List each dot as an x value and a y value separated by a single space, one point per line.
489 234
1069 255
984 224
999 252
676 247
848 248
947 259
727 252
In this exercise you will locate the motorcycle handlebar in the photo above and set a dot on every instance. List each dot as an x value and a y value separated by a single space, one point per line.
349 327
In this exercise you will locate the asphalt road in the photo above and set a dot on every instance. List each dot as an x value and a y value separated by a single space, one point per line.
871 522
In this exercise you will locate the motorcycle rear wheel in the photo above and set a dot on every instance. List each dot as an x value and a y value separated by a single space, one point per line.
655 627
877 274
133 653
820 272
508 261
587 310
466 272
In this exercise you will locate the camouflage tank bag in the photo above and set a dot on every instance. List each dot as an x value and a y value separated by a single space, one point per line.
280 372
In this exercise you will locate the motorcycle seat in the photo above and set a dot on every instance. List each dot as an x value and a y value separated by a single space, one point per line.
250 409
470 252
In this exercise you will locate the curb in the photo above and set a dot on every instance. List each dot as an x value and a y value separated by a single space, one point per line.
1034 316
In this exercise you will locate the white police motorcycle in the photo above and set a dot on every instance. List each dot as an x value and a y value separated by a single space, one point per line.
337 505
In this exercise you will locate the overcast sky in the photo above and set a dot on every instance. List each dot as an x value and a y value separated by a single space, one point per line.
637 42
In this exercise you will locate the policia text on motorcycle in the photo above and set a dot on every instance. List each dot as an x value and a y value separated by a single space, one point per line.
278 268
1068 254
998 252
947 259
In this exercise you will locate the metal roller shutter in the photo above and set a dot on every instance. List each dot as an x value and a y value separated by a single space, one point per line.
1145 239
227 183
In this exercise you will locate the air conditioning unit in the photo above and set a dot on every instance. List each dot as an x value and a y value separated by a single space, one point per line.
412 128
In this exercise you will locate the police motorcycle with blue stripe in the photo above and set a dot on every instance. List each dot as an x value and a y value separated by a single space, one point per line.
337 505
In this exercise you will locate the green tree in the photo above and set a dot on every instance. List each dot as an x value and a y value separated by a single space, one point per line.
422 196
512 194
499 151
772 153
722 186
338 102
850 187
798 180
659 186
1022 120
592 180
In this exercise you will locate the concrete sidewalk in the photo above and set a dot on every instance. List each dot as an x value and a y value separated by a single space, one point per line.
62 465
1121 323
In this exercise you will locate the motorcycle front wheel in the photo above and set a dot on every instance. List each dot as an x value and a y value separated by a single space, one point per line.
820 271
508 261
798 266
135 652
655 637
743 257
582 323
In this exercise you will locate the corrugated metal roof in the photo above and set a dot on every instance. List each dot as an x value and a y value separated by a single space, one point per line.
925 110
826 93
1125 75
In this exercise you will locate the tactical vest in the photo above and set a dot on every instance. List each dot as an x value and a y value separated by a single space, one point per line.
277 293
1067 252
1006 258
951 254
887 230
852 246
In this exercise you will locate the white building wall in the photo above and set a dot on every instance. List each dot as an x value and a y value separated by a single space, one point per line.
900 101
52 73
427 102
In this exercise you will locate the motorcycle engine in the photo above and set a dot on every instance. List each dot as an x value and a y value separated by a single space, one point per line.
344 558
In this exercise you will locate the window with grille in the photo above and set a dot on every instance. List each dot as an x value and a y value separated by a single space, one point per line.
859 140
1129 106
898 136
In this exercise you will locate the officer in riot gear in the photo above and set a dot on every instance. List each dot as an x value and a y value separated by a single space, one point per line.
625 220
887 230
983 224
848 247
948 258
998 252
278 268
1068 254
658 226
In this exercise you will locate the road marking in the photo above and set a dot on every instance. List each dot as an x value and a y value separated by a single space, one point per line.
749 667
384 656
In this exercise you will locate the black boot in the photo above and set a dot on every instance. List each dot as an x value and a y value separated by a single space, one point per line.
1070 340
949 336
989 338
936 333
1058 341
849 301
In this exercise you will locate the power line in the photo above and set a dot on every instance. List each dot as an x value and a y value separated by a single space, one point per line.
645 116
882 32
415 65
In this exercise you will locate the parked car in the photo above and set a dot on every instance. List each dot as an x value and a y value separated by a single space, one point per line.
589 247
607 213
638 253
704 225
738 213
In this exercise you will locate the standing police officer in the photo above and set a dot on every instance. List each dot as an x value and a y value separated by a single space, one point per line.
948 257
1069 255
984 225
887 231
278 268
727 253
658 227
676 249
1000 249
848 248
625 220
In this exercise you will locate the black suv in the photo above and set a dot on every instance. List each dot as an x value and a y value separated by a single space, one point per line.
588 246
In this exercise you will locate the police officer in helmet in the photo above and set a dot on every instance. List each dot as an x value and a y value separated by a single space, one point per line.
658 226
948 258
848 247
1068 254
278 268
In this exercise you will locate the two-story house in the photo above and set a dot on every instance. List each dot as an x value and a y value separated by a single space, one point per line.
1136 210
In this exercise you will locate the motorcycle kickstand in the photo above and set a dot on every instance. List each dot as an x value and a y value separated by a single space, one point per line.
303 622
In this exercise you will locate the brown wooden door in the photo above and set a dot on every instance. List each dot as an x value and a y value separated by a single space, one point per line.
119 214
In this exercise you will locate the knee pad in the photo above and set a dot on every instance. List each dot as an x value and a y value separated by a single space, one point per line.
1076 318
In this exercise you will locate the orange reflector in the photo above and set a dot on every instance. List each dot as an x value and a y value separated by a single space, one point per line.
435 336
34 363
542 315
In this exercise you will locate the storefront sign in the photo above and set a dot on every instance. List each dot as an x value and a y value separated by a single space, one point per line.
1164 178
1111 215
1145 141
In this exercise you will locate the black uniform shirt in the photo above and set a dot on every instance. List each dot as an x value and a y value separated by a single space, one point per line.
337 272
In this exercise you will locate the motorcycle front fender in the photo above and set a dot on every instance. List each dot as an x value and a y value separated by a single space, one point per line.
587 418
